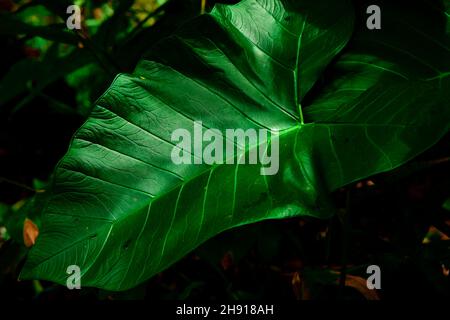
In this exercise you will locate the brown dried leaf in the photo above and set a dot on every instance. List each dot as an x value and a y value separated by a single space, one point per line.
301 292
360 284
30 232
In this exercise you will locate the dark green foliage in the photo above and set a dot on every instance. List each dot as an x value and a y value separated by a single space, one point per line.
348 103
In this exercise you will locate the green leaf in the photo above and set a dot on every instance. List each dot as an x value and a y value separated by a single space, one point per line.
30 208
58 7
395 79
12 25
4 213
110 30
88 82
446 204
123 211
33 76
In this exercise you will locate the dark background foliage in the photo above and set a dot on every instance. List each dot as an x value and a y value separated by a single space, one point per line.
50 77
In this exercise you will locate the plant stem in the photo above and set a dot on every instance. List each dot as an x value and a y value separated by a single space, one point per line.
328 241
17 184
345 242
149 16
112 68
202 6
300 112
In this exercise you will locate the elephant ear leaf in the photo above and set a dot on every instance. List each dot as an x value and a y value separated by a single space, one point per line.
122 211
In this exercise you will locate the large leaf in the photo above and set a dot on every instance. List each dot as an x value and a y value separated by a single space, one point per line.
122 211
396 78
